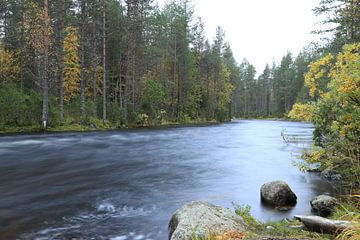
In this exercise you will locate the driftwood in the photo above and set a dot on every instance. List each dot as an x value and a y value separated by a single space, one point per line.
323 225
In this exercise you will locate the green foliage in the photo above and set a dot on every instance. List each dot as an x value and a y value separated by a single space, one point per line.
284 228
9 65
290 229
349 209
12 104
223 93
114 114
154 98
244 212
159 63
23 109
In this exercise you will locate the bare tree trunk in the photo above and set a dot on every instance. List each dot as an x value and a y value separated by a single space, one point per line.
45 110
94 56
61 61
129 73
104 60
37 82
82 80
22 50
175 108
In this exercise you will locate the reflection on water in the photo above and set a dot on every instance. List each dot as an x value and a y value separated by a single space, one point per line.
126 184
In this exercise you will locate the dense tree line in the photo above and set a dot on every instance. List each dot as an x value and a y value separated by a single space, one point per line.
117 59
130 62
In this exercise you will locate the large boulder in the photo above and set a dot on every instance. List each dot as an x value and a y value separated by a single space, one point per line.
201 218
277 193
323 205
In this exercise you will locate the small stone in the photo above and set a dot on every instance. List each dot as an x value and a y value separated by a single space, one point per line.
270 228
283 209
331 175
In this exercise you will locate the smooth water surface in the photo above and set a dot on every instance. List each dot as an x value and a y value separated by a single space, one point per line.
126 184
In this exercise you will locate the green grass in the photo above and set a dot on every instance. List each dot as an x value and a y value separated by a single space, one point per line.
257 229
284 228
15 129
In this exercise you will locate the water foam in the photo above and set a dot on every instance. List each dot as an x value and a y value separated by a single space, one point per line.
106 208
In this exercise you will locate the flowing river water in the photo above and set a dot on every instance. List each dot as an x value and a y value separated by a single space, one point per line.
125 185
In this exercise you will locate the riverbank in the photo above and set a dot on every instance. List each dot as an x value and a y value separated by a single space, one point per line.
99 127
291 229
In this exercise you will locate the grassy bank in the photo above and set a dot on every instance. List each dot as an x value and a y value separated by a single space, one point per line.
287 229
99 126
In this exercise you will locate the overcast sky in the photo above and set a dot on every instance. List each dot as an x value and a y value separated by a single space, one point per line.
260 30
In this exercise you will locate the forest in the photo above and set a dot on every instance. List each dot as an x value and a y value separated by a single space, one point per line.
80 65
116 63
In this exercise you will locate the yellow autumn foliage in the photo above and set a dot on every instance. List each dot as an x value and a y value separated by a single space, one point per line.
71 63
317 70
301 112
99 74
34 25
345 74
336 113
9 65
345 88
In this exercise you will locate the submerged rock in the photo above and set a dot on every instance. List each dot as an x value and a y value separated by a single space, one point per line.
323 205
277 193
201 218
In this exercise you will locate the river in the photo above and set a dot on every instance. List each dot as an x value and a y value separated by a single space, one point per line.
125 185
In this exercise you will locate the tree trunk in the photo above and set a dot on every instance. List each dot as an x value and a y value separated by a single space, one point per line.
45 110
61 60
94 57
104 60
82 80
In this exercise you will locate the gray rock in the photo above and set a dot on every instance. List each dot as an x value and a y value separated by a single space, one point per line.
323 205
331 175
277 193
200 218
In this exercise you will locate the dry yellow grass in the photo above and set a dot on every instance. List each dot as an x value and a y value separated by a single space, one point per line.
231 236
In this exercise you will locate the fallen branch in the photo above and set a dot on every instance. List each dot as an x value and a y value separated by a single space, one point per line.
323 225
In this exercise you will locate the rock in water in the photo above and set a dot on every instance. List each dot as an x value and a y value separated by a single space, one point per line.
323 205
201 218
331 175
277 193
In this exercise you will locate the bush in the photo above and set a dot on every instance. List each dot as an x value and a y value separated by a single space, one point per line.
143 120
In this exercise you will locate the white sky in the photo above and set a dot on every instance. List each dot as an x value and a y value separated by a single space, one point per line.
260 30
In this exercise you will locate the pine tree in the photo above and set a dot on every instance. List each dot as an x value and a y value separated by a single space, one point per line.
72 67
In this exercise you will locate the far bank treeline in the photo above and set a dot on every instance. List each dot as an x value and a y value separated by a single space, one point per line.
109 62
